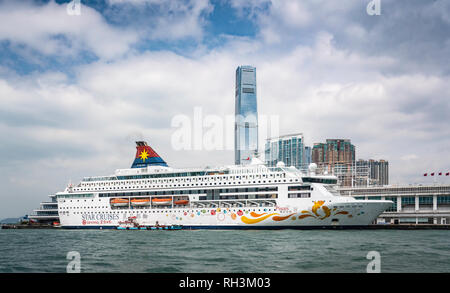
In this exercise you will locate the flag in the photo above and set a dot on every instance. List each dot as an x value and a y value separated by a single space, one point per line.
426 174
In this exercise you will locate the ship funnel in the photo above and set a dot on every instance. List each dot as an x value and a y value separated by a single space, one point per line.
146 156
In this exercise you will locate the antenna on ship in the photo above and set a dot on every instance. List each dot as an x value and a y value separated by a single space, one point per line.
69 185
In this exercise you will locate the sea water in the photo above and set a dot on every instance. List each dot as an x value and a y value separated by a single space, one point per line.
224 251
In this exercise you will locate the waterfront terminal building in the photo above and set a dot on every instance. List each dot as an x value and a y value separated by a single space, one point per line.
414 204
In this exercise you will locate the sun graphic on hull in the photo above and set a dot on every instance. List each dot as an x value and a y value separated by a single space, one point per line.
143 155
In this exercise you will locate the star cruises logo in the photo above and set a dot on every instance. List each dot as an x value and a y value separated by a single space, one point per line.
143 155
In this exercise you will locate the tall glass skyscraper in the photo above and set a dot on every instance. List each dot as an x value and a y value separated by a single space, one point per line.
246 115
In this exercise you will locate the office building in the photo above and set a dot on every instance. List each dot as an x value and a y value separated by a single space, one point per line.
246 115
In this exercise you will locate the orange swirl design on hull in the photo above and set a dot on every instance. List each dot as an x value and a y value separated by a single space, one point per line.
255 215
254 221
327 212
276 218
304 216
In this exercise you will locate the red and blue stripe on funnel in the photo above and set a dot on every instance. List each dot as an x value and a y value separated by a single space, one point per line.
146 156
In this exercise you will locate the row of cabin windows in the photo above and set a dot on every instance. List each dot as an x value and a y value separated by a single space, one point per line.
184 185
159 181
191 191
178 211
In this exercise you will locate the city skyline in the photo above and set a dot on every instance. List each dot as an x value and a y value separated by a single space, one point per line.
77 91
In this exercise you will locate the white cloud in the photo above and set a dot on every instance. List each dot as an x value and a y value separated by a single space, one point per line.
49 30
163 20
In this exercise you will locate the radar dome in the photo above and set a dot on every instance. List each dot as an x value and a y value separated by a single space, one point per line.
280 164
312 167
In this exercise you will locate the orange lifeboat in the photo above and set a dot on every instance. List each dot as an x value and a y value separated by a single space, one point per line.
181 202
119 202
161 201
140 201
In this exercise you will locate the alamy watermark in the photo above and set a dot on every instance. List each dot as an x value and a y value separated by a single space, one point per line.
374 266
74 7
214 132
374 7
74 265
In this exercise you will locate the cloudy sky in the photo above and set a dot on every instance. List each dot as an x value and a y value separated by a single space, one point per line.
76 91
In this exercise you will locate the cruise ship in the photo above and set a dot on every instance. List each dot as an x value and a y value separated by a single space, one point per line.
251 196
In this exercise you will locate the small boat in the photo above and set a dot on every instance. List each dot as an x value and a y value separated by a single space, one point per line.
119 202
129 224
140 201
161 201
181 202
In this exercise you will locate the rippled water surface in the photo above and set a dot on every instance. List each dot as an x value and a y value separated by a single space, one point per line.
224 251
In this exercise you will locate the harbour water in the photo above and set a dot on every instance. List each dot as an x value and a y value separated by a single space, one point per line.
217 251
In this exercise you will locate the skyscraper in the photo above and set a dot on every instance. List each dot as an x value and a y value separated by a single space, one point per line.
246 115
307 155
288 149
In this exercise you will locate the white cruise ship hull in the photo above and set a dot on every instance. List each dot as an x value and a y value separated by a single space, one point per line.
292 213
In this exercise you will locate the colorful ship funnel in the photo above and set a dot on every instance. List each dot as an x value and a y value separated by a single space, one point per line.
146 156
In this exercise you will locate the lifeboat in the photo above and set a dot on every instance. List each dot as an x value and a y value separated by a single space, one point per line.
140 201
119 202
181 202
161 201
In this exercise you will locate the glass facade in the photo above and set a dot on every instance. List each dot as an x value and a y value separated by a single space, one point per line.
444 199
392 208
288 149
307 155
425 200
246 115
408 200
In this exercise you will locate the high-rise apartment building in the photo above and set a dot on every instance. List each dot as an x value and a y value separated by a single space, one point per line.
336 156
288 149
378 171
333 151
246 115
